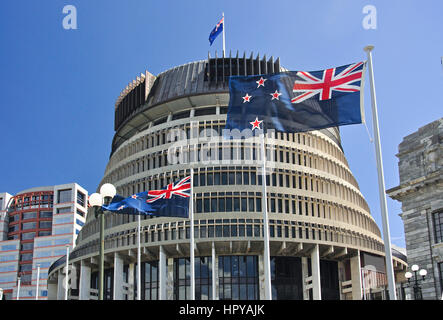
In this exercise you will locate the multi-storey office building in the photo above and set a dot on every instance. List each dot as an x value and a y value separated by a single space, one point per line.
40 224
324 242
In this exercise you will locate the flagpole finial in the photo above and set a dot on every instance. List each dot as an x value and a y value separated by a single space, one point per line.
368 48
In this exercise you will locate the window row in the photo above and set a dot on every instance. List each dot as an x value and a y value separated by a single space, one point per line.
160 137
237 153
249 176
299 231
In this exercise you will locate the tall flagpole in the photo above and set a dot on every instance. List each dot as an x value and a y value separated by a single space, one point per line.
224 25
266 254
139 265
191 217
67 273
381 182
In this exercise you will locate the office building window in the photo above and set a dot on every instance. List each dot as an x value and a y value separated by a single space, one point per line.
286 278
81 198
440 269
45 214
438 226
64 196
238 277
29 225
29 215
150 280
203 278
64 210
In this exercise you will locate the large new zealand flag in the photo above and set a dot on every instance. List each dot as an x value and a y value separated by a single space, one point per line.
297 101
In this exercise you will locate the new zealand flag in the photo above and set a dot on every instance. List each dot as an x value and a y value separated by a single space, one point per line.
216 31
173 201
297 101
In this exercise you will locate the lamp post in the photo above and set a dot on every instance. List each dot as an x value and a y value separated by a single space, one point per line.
96 200
415 284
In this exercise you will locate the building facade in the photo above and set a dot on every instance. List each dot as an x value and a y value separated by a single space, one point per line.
322 235
420 192
39 226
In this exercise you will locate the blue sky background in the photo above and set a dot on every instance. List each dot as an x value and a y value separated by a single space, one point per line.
58 87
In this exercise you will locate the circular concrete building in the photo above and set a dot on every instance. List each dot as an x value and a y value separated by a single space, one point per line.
324 242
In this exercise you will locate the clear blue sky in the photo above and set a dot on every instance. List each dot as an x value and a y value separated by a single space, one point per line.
58 87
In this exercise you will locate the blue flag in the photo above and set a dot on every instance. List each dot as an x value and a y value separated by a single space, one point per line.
173 201
297 101
216 31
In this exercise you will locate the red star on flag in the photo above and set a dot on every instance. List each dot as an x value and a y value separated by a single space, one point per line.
134 196
247 98
256 123
261 82
275 95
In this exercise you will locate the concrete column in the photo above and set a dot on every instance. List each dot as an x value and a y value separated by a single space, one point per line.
162 269
261 277
60 285
356 277
52 291
170 280
315 267
85 281
304 275
118 277
341 273
214 264
131 273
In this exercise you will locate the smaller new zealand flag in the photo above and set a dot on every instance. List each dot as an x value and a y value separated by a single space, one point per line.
297 101
216 31
173 201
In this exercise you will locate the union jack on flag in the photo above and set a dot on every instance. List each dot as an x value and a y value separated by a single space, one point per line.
178 189
310 84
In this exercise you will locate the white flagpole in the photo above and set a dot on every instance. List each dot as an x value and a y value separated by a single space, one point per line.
19 279
67 273
381 182
191 217
38 280
266 254
139 265
224 25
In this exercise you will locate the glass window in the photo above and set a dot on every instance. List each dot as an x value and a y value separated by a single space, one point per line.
45 214
26 257
28 235
45 224
64 196
221 204
151 280
14 228
29 225
64 210
228 204
217 178
231 178
238 276
80 198
438 226
29 215
236 204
